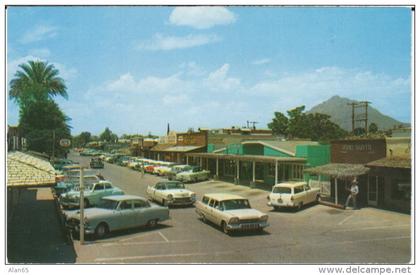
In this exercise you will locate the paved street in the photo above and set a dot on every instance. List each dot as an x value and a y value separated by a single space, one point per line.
316 234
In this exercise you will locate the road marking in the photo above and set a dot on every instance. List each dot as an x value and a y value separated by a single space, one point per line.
116 259
375 240
371 228
146 243
345 219
163 236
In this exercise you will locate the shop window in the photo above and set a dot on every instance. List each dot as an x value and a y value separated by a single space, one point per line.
229 167
401 189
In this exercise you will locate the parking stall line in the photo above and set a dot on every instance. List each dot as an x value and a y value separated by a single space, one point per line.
146 243
122 259
345 220
163 236
371 228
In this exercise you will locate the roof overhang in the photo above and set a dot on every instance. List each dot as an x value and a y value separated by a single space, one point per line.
270 146
257 158
339 170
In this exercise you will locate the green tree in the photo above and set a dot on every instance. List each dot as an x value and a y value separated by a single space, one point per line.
279 124
359 131
36 81
373 128
108 136
44 124
82 139
298 124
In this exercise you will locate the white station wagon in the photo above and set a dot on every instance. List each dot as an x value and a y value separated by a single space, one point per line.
292 194
231 212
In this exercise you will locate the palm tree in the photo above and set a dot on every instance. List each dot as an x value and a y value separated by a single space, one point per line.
36 81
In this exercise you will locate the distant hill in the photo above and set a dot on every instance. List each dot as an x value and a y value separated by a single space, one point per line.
340 114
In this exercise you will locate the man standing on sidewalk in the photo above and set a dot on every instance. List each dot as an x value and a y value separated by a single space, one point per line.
354 190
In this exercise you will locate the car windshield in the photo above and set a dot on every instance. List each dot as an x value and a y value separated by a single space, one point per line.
107 204
282 190
235 204
174 185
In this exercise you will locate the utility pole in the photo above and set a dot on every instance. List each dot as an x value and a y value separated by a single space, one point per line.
82 208
53 146
361 117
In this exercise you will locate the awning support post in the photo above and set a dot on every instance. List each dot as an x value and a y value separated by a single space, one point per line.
253 174
336 191
217 169
237 171
276 173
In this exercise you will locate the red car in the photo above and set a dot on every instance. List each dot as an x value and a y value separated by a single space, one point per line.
149 168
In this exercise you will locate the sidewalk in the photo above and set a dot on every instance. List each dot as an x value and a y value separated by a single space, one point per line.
34 233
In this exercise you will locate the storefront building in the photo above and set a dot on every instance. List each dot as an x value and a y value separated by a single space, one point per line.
348 161
254 162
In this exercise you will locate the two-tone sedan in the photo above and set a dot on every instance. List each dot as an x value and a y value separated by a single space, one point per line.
230 212
93 193
171 193
116 213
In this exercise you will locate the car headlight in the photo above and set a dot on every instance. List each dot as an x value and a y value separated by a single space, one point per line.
234 220
264 218
170 197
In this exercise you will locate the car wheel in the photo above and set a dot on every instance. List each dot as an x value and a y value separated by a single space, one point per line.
203 218
86 203
101 230
152 223
300 205
318 198
276 208
225 228
164 202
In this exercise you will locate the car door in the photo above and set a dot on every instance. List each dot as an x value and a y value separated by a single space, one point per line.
299 194
142 213
97 194
212 210
124 215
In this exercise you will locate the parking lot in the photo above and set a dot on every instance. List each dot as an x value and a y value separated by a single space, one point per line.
315 234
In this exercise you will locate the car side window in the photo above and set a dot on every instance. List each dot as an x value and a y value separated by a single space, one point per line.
211 203
99 187
108 186
216 204
298 189
141 204
307 188
205 200
125 205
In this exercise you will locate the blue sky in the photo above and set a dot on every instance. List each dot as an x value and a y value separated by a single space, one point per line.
135 69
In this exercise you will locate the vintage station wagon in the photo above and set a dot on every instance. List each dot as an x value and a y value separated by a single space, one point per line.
292 194
230 212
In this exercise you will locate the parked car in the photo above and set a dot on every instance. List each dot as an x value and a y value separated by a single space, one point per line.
70 183
177 169
92 195
116 213
193 175
96 163
230 212
292 194
58 164
171 193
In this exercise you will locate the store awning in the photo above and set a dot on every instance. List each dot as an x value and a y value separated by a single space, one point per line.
339 170
182 149
396 162
248 157
24 170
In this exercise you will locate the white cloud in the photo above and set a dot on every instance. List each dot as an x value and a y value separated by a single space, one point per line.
261 61
219 80
166 43
217 99
192 69
201 17
38 33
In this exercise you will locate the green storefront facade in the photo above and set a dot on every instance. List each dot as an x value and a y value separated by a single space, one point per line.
265 161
